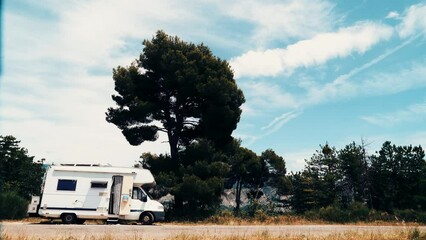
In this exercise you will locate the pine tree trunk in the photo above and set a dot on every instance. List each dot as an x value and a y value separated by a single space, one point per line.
238 196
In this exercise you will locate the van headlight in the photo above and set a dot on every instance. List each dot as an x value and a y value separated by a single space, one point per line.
160 207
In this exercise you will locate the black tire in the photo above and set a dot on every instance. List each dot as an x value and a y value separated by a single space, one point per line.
68 218
147 218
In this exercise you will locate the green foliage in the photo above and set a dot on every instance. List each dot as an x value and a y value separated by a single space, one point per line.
397 174
197 183
276 171
323 168
354 174
12 206
303 192
336 213
333 214
358 211
181 85
247 170
410 215
394 179
18 171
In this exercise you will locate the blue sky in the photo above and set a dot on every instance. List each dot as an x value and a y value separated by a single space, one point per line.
312 71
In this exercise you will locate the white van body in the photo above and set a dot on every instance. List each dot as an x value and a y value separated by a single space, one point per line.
75 193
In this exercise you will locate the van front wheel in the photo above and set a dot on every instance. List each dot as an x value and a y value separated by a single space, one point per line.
147 218
68 218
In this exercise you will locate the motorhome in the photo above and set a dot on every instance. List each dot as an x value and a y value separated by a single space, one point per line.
76 192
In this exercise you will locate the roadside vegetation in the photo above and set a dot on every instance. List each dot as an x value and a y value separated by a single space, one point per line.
411 234
20 177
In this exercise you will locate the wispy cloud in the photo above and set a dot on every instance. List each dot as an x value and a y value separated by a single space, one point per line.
291 19
412 113
275 125
267 95
278 122
413 21
342 87
392 15
315 51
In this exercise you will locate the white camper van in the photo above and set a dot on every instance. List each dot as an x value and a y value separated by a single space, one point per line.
76 192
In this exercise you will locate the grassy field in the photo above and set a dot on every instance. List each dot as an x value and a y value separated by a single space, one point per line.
412 234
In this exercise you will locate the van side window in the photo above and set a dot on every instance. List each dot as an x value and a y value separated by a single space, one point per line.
137 193
99 184
66 185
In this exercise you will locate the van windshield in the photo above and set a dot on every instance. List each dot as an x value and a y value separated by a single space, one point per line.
138 193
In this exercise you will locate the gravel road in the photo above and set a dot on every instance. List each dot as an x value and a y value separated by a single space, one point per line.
167 230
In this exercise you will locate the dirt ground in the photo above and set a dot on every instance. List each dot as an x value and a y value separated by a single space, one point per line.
164 231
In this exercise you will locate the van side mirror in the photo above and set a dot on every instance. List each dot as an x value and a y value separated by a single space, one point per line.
144 198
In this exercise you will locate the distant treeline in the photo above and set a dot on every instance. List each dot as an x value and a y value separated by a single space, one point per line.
333 182
336 185
393 180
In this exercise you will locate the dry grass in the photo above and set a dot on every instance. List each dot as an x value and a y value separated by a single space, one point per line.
413 234
403 235
263 220
285 220
236 221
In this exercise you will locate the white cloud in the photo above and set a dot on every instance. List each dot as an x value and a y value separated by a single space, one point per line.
413 113
389 83
68 124
315 51
393 15
295 160
413 21
96 29
289 19
275 125
278 122
247 110
342 87
267 95
51 101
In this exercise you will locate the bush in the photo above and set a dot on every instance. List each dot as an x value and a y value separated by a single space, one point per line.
410 215
374 216
12 206
358 212
333 214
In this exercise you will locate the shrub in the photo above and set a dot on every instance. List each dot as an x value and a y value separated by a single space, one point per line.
333 214
410 215
421 217
358 212
12 206
375 215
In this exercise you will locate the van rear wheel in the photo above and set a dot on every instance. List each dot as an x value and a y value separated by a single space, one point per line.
147 218
68 218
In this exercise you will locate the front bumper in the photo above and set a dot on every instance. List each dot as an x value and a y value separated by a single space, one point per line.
159 216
